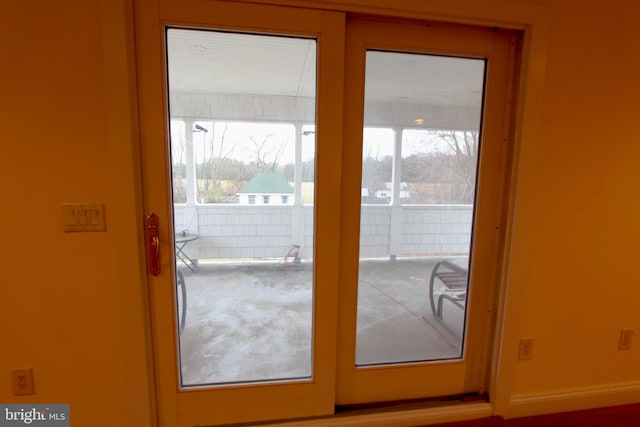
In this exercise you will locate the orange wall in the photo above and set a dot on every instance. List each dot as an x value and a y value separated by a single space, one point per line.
66 297
60 309
577 229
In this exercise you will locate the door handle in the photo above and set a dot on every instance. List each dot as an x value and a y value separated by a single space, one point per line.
153 239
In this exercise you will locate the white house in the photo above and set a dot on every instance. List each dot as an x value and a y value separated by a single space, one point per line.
387 191
266 188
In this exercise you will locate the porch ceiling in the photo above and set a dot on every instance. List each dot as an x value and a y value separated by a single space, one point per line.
210 63
214 62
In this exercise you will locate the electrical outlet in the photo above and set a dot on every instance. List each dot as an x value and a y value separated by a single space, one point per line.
22 382
626 338
525 349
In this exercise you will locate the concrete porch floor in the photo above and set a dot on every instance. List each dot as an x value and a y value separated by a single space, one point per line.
252 321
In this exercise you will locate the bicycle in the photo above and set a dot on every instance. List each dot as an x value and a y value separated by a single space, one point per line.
292 257
181 299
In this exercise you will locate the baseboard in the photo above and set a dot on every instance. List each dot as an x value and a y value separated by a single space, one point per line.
523 405
404 418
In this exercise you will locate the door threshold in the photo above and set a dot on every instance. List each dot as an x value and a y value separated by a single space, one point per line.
398 416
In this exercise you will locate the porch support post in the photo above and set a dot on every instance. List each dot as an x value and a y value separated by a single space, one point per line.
395 227
190 210
297 212
297 170
190 162
396 171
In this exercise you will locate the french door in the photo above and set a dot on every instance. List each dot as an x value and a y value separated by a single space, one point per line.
329 197
425 133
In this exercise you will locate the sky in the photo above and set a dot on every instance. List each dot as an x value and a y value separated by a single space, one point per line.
241 138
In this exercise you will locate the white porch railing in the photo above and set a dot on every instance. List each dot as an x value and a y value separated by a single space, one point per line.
241 231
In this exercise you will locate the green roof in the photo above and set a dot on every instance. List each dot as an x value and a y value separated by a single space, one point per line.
267 183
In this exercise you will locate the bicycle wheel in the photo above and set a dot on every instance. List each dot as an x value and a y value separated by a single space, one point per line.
181 296
292 256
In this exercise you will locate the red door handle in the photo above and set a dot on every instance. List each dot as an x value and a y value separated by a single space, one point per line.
153 238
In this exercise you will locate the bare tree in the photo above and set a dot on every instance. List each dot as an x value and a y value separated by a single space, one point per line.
266 156
213 150
464 146
178 162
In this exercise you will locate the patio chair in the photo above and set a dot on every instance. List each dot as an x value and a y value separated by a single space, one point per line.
454 281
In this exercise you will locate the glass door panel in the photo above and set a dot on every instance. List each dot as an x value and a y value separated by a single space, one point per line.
240 107
228 120
425 126
418 186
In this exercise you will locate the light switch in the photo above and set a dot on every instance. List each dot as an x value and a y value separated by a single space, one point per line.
94 217
83 217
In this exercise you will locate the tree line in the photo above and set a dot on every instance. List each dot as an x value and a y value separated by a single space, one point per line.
428 177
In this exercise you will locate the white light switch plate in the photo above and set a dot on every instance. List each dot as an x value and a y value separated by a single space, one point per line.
83 217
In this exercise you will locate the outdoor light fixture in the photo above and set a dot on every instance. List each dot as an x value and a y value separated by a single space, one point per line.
198 128
419 122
